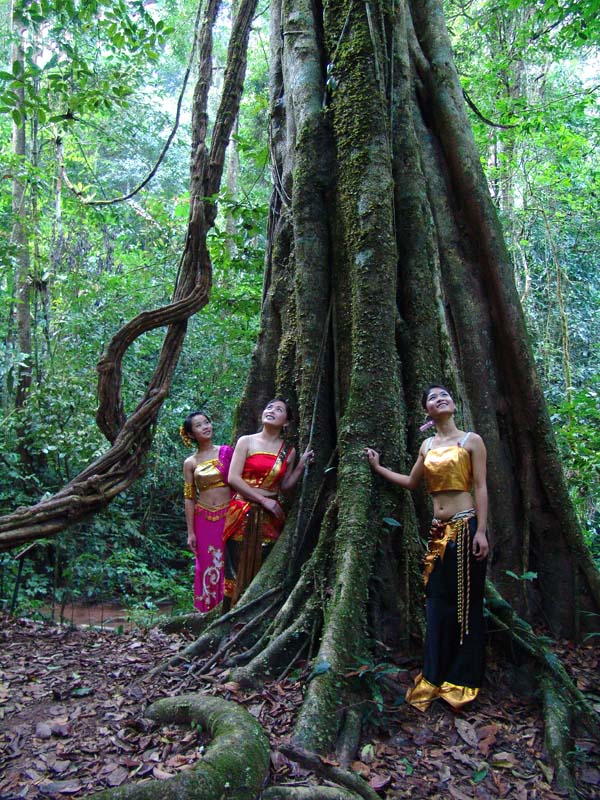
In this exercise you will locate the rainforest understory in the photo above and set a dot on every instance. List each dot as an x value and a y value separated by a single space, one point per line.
386 270
72 725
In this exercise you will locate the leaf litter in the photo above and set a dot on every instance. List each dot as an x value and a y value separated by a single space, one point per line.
72 706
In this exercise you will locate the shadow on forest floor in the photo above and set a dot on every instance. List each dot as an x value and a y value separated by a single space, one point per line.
72 722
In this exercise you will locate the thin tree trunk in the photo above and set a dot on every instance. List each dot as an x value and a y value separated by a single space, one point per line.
20 241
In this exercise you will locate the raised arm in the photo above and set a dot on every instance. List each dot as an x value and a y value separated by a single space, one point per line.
405 481
293 473
478 453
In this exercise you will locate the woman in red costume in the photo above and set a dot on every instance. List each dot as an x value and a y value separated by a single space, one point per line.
262 466
207 496
453 463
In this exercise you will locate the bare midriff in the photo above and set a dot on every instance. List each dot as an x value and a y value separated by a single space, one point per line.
216 497
447 504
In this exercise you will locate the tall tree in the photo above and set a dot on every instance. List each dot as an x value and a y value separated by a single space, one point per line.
20 233
386 270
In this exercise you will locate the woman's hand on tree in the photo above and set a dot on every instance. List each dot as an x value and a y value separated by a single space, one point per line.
272 506
372 457
307 456
480 546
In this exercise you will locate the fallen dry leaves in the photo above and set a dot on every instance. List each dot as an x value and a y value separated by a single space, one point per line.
72 711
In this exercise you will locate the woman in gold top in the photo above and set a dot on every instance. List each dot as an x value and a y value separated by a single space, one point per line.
207 496
453 463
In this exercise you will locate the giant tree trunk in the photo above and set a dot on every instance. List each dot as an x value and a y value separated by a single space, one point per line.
386 271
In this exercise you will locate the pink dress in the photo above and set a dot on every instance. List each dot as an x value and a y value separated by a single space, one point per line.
208 527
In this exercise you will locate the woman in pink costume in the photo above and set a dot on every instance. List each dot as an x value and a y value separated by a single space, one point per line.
207 496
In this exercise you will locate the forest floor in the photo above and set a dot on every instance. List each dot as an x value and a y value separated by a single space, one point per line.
72 706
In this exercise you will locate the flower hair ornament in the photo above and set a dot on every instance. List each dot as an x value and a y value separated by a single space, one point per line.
429 423
188 442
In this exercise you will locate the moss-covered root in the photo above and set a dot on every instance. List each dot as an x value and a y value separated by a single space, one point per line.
522 636
308 793
190 623
349 780
349 738
557 735
234 766
277 654
214 634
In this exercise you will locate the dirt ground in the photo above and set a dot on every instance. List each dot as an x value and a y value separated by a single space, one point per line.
72 721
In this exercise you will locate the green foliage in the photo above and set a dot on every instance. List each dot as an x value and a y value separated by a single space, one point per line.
370 674
577 425
526 576
105 85
531 70
78 57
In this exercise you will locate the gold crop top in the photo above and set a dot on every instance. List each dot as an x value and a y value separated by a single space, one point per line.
208 476
448 469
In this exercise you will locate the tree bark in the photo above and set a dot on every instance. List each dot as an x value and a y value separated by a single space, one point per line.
386 270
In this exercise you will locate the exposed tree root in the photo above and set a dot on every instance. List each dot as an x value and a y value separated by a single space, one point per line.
349 738
557 735
522 635
238 638
277 653
234 766
217 630
350 780
190 623
308 793
560 695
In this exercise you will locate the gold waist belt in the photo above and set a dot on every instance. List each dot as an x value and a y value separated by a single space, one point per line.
211 513
455 529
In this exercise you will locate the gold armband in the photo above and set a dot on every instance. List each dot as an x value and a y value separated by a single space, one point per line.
188 491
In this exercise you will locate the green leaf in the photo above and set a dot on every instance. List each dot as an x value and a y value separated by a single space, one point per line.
529 576
480 774
408 767
368 751
526 576
393 523
82 691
